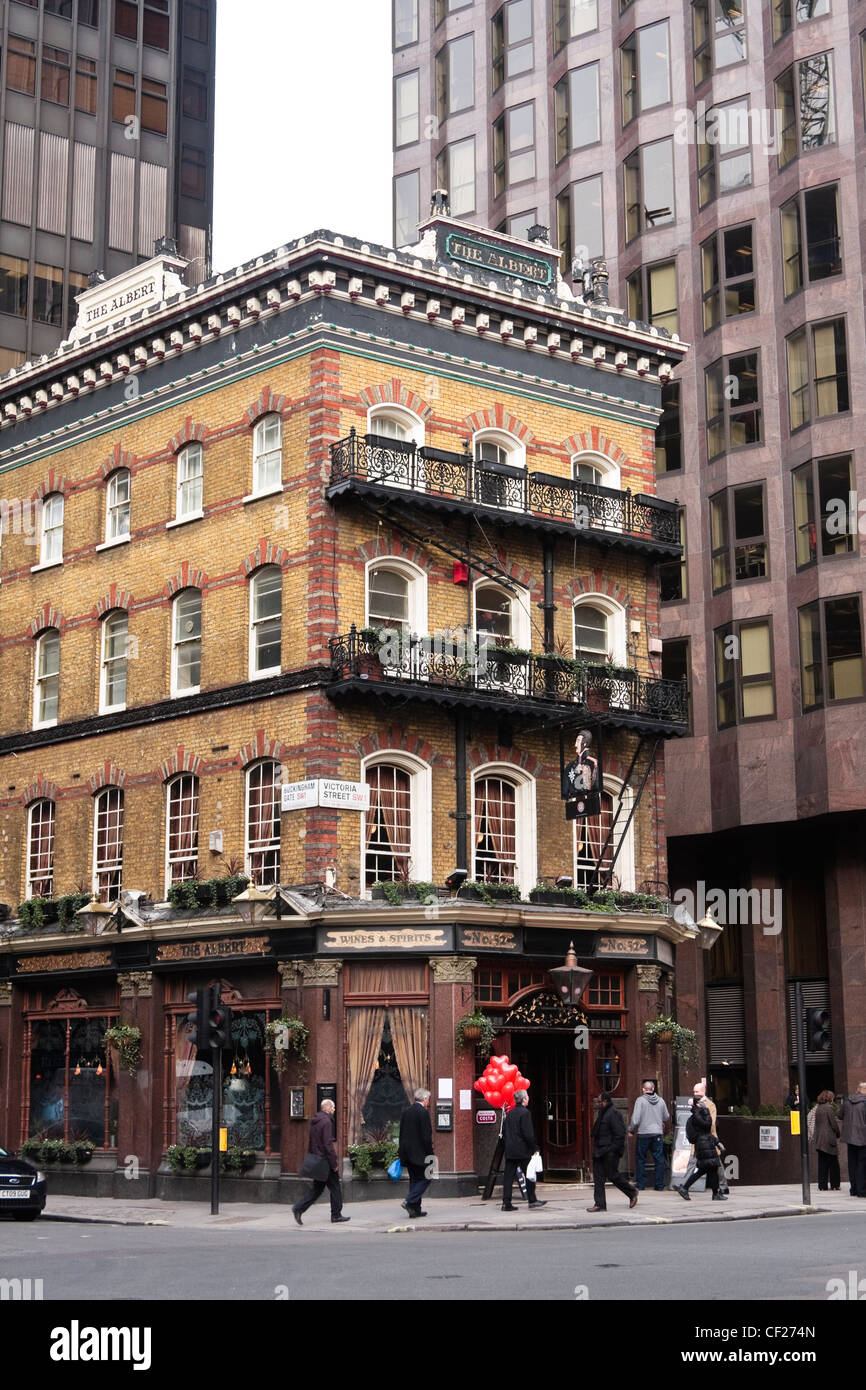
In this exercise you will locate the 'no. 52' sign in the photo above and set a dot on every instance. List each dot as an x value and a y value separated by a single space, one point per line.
581 1038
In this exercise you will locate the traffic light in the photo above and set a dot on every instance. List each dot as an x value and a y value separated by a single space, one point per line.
219 1022
202 999
817 1030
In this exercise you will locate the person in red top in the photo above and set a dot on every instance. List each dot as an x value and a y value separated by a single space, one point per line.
322 1145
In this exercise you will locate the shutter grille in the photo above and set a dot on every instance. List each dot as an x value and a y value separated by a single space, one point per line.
53 174
152 207
83 180
121 202
18 174
727 1033
816 995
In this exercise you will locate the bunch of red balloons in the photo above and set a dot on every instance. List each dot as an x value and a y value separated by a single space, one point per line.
498 1082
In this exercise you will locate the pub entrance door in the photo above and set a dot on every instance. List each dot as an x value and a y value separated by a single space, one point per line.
557 1100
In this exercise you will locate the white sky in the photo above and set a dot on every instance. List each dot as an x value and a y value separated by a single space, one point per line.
303 123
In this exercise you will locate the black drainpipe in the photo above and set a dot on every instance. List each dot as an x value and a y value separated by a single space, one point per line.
548 605
461 814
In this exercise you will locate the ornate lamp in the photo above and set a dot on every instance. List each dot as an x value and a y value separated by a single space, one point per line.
97 917
710 931
571 979
253 903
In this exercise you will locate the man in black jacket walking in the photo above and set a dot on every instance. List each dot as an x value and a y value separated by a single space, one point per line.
416 1150
520 1145
699 1131
322 1145
608 1144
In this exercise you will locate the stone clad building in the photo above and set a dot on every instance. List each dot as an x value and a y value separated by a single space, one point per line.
315 574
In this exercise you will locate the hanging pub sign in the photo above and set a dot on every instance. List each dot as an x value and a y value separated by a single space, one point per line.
582 777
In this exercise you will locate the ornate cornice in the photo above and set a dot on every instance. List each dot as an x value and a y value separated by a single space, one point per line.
453 970
320 974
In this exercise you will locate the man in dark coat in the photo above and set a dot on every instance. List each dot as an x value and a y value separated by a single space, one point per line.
608 1144
416 1150
322 1145
520 1145
853 1120
699 1131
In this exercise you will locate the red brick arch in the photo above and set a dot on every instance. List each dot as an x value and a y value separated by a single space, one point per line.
394 547
189 433
596 583
266 553
396 740
262 747
109 775
55 482
41 790
115 598
394 392
482 753
187 577
592 441
118 458
182 760
268 403
498 418
45 618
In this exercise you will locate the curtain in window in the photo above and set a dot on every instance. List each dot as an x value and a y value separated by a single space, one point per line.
409 1036
387 980
363 1038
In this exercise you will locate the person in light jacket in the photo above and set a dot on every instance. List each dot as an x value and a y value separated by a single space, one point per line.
520 1145
322 1144
648 1120
699 1132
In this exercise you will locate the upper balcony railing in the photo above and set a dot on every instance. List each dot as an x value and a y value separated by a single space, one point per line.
436 477
459 672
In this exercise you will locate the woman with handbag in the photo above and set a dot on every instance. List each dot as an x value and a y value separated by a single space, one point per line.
824 1130
322 1165
699 1131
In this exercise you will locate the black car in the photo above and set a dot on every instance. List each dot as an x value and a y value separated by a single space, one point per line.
22 1188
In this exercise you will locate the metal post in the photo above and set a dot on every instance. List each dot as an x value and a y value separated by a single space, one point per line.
216 1097
799 1020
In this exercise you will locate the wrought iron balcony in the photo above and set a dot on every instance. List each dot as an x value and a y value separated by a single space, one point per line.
457 672
442 481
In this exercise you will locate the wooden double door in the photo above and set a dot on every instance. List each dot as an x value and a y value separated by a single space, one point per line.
557 1098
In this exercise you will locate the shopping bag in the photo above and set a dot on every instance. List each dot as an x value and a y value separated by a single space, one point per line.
534 1168
396 1170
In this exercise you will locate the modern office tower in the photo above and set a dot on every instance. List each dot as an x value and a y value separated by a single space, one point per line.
709 151
106 144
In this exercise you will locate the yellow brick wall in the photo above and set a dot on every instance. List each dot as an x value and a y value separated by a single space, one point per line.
217 546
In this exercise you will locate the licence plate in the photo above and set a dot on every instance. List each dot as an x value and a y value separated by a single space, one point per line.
7 1193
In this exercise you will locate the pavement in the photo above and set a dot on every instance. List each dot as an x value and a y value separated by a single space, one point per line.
565 1210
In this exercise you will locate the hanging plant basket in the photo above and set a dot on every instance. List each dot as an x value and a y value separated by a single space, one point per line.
475 1030
124 1041
666 1031
666 1037
285 1035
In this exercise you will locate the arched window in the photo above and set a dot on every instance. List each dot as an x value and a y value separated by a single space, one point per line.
396 840
591 842
51 530
596 469
396 596
46 684
186 643
190 474
394 434
266 622
503 823
599 630
117 505
40 850
500 469
108 844
268 455
113 666
263 823
181 829
502 615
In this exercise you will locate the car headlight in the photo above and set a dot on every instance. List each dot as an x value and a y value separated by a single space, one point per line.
40 1177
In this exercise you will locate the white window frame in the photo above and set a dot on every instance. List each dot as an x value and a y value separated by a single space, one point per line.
610 471
180 859
414 427
525 825
113 507
624 868
248 852
108 620
188 452
30 877
616 627
110 866
176 644
515 452
521 617
52 516
416 615
421 813
40 677
262 456
255 579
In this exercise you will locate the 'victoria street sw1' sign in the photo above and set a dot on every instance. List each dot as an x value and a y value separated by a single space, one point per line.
325 791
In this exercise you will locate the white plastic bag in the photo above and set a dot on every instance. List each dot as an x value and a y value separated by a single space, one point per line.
534 1169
